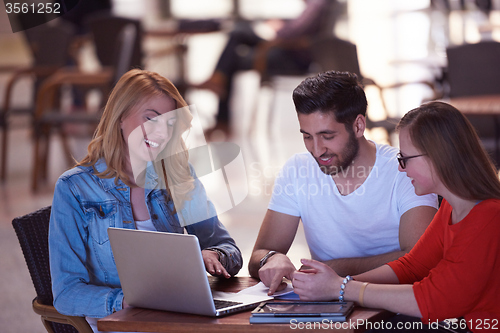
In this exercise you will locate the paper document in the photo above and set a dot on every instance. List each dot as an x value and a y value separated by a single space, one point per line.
261 289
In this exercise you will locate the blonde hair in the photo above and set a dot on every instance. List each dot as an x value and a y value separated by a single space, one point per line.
108 143
448 138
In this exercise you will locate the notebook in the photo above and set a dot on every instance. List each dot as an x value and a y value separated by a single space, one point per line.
165 271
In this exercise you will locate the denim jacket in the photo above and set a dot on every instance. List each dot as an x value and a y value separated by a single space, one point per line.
84 277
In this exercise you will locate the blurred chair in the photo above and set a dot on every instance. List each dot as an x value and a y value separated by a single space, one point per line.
107 30
49 45
118 53
474 71
331 53
32 230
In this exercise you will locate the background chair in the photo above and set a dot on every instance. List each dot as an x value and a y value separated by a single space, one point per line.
474 70
118 52
49 45
32 230
332 53
107 30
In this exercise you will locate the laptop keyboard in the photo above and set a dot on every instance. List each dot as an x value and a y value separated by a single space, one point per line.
220 304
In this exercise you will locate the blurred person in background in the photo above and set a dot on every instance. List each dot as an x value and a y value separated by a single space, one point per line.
280 55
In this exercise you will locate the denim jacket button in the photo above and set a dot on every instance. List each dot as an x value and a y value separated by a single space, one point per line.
155 217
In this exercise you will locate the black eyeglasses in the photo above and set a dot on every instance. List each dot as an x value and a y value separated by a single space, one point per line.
402 160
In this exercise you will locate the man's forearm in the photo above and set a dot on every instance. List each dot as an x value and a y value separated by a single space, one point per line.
360 265
254 263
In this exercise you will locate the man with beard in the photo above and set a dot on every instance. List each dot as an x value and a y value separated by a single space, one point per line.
357 209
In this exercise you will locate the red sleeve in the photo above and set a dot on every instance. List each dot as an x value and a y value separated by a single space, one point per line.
467 280
426 253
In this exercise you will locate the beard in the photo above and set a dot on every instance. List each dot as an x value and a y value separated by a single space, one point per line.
346 158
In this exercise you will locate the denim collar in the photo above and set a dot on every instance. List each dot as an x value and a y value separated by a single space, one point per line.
109 183
151 177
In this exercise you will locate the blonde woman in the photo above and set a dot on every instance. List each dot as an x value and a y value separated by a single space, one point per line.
453 271
136 175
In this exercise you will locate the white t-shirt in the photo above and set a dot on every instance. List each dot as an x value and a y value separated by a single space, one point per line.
363 223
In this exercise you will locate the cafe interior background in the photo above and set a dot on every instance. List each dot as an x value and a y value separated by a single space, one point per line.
397 42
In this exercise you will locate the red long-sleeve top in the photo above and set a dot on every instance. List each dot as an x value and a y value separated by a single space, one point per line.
455 268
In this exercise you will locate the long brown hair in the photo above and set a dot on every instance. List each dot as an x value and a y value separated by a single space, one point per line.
130 91
450 141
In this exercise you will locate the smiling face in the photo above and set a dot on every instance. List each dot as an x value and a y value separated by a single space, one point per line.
333 147
419 169
148 127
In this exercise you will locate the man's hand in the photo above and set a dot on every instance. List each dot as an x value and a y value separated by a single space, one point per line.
318 282
276 268
212 264
276 233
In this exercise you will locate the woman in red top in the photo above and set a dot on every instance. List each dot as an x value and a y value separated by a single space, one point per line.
454 269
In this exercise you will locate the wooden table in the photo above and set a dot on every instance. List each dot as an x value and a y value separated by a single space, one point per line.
146 320
484 105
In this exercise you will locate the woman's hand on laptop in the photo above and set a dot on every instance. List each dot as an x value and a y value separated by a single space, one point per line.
213 265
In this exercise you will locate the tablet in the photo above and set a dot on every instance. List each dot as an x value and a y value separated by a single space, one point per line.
294 309
280 312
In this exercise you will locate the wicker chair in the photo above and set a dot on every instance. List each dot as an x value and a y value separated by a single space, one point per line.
32 230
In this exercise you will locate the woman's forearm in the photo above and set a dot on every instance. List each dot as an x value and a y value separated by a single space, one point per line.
382 275
392 297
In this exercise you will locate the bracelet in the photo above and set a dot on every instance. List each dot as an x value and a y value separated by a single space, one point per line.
219 252
342 287
264 259
362 294
222 256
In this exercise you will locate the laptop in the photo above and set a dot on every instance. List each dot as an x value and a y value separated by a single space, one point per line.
165 271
